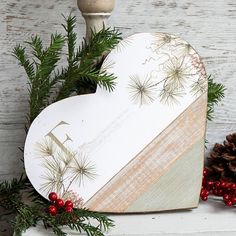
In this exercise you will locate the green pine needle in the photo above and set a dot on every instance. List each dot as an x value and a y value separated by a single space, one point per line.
13 186
37 47
20 55
79 220
216 93
81 74
40 70
71 38
26 217
99 43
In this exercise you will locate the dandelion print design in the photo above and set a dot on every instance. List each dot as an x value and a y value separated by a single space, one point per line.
142 92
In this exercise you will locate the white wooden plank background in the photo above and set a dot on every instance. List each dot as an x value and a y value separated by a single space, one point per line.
210 26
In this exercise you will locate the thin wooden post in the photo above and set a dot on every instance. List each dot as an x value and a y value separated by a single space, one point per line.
95 13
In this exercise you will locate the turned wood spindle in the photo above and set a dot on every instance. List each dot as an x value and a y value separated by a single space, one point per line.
95 13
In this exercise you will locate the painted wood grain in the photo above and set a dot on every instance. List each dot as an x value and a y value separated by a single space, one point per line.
210 26
154 162
174 189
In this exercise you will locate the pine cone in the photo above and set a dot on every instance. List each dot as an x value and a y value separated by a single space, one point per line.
222 161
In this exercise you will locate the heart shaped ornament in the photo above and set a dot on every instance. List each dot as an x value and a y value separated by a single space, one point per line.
139 148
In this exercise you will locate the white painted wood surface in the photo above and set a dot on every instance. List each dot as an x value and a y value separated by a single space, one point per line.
210 219
210 26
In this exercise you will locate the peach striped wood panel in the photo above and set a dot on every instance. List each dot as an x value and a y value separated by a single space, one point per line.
154 161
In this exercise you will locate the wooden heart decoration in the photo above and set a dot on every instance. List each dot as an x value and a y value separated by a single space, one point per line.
139 148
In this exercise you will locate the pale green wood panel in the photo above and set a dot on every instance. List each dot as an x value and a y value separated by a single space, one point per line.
177 186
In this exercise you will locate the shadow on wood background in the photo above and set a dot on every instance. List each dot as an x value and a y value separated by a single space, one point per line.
209 26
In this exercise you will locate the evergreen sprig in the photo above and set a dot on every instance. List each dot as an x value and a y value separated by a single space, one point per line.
81 74
79 220
216 93
26 217
13 186
100 43
71 38
39 70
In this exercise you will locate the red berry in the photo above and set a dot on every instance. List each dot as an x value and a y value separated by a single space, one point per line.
229 189
203 182
226 197
215 192
233 186
206 192
220 192
233 199
52 210
205 172
228 203
204 198
59 203
217 184
210 184
68 209
202 192
52 197
228 185
223 185
69 203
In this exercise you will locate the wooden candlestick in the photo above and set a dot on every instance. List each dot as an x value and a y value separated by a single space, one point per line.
95 13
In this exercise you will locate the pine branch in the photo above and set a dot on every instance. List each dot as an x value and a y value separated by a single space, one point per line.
37 47
68 75
79 220
215 95
91 55
82 73
20 55
29 215
104 222
94 77
50 57
14 186
99 43
71 38
26 217
39 71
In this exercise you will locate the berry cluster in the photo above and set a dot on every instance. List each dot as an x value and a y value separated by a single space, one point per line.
59 204
218 188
